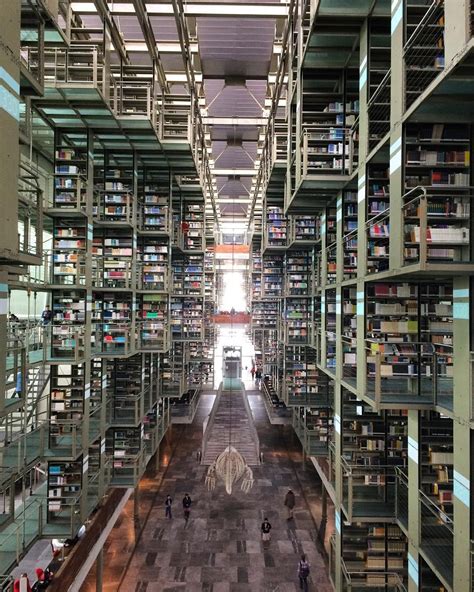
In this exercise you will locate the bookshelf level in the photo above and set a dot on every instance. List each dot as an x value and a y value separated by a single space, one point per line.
70 174
331 243
437 162
69 252
276 228
349 234
378 217
349 335
154 266
112 263
272 275
115 185
304 383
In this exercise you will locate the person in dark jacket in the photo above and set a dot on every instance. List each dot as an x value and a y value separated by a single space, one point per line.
187 501
266 528
46 315
168 503
290 502
303 573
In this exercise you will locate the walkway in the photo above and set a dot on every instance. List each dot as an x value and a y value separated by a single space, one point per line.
220 549
231 414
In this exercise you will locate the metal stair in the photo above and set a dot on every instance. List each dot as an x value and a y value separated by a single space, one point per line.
231 415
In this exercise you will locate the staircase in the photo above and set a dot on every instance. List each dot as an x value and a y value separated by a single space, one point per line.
231 414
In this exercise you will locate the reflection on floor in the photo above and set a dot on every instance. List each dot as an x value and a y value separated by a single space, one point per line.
220 549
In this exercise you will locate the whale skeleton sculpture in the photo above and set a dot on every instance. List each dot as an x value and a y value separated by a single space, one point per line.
229 467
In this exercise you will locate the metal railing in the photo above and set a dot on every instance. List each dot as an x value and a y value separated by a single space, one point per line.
424 52
176 118
135 99
209 421
410 373
378 242
349 360
368 489
437 536
378 108
374 581
401 496
79 64
30 212
327 151
128 469
349 253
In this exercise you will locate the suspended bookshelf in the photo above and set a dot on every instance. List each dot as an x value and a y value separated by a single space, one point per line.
154 264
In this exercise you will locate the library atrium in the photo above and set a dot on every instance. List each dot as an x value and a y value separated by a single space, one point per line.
235 295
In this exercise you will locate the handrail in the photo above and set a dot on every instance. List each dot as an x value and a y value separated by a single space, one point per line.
251 423
209 421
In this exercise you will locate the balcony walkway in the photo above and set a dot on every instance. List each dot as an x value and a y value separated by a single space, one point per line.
220 550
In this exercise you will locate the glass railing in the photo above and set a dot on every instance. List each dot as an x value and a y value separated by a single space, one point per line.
127 470
368 490
437 537
327 151
436 225
401 497
409 373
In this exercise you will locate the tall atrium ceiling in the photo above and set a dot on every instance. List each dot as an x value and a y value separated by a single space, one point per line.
234 48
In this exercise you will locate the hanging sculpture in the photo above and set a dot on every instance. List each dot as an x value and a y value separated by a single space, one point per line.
230 466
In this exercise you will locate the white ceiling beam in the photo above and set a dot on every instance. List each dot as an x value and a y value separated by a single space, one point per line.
234 120
249 9
234 172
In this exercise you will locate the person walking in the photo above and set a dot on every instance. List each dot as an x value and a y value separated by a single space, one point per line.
252 373
258 376
187 501
168 503
266 528
290 502
46 315
22 584
303 573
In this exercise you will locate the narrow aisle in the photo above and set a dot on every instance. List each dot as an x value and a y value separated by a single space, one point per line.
220 550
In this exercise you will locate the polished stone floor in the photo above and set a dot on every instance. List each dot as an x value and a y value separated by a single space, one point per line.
220 549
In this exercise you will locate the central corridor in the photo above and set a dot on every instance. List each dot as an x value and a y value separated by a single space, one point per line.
220 550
